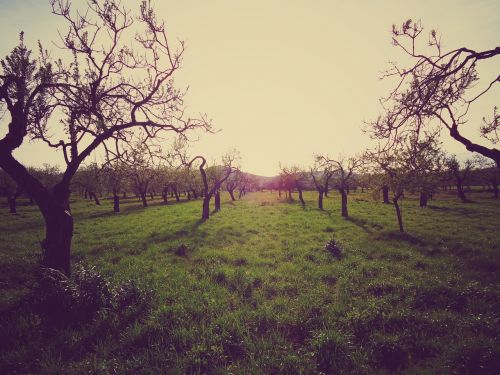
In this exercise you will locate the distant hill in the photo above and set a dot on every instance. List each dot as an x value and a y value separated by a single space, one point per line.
261 180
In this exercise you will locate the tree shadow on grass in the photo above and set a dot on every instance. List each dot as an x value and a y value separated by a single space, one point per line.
189 231
362 223
130 208
458 210
399 236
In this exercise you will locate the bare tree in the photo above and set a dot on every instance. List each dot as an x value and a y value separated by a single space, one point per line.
293 178
114 84
213 178
460 172
115 176
321 174
344 170
491 175
11 190
436 85
403 164
89 178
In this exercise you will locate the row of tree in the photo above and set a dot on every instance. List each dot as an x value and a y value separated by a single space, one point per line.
416 167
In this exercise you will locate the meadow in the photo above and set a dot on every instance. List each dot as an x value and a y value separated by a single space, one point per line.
254 291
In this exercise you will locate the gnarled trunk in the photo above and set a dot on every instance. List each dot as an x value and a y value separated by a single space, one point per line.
231 194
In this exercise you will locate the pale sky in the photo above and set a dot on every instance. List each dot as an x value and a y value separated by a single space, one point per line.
284 79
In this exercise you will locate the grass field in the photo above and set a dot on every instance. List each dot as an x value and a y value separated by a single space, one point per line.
253 289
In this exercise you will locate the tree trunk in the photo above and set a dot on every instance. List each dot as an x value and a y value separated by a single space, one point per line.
301 198
461 194
85 196
58 233
206 207
143 199
343 194
423 199
124 195
240 194
12 204
320 200
116 202
188 196
152 196
96 199
399 215
176 195
385 194
217 201
195 195
495 190
231 194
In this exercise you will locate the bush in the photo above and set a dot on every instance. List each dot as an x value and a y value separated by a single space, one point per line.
334 248
181 250
76 299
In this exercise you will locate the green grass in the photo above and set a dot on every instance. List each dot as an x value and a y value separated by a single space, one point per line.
256 292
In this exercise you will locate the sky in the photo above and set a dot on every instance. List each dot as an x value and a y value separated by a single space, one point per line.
284 79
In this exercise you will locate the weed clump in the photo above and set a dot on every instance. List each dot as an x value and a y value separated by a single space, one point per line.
181 250
77 299
334 248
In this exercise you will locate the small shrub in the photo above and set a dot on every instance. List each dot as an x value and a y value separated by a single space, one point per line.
181 250
334 248
63 300
77 299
